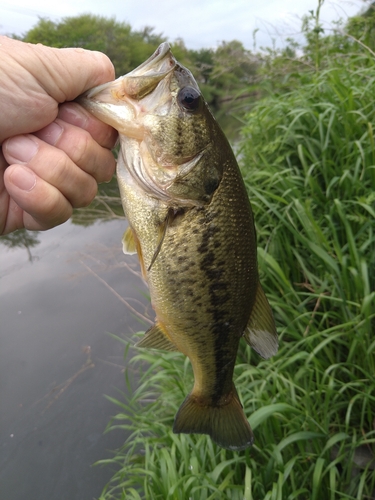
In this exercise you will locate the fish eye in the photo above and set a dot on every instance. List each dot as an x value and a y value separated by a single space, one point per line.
189 98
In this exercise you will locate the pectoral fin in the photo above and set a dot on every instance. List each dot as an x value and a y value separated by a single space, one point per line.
155 338
260 332
129 244
162 230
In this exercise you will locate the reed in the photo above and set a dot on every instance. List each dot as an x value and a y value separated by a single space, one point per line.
308 159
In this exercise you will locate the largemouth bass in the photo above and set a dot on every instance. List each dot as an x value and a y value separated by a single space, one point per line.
191 224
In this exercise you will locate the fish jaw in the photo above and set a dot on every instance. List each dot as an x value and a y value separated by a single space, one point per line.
143 106
103 103
123 103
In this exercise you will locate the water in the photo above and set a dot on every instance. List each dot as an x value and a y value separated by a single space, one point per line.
57 360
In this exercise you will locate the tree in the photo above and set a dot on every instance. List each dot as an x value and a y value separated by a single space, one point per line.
362 27
126 48
224 74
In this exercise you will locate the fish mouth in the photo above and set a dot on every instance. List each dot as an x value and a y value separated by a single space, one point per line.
134 105
122 102
145 77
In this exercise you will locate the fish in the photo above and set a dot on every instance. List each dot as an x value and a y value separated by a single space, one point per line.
192 226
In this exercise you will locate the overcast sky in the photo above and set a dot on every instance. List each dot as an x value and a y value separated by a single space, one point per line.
200 23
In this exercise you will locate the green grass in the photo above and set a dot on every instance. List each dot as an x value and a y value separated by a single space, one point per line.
308 160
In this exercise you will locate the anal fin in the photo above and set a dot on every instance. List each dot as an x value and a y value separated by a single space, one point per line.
155 338
260 332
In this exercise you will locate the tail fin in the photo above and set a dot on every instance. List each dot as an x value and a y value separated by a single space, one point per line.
226 424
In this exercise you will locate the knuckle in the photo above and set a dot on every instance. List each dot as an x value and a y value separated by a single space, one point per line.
88 193
108 169
55 211
82 148
58 169
110 138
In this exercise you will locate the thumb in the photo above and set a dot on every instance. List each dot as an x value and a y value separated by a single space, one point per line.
35 79
67 73
61 73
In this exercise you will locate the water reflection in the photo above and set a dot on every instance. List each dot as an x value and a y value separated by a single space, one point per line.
22 239
57 360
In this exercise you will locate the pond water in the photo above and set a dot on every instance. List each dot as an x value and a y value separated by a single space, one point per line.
58 304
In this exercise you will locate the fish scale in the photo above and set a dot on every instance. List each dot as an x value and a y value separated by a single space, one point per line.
192 226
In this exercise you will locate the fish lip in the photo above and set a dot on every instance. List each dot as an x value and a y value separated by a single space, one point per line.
153 61
152 67
119 102
91 93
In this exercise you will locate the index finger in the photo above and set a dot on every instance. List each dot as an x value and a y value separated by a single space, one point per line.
103 134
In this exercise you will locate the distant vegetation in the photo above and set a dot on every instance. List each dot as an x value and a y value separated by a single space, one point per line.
308 159
225 74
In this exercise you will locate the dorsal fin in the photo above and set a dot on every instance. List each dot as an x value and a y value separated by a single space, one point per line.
260 332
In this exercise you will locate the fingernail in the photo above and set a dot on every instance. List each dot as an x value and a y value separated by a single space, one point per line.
50 134
73 114
23 178
21 149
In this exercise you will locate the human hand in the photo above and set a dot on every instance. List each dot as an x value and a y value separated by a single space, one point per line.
53 154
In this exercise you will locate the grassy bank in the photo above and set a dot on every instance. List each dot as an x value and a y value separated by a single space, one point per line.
308 160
